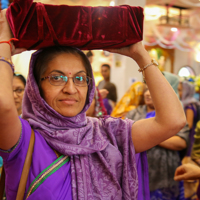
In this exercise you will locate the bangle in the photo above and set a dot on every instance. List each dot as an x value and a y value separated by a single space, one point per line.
8 61
9 42
153 62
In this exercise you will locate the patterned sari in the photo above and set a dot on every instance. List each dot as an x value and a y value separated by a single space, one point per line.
131 99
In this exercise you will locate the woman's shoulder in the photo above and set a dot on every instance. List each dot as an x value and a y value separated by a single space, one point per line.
26 131
20 149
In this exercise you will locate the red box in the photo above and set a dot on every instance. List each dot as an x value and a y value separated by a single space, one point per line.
38 25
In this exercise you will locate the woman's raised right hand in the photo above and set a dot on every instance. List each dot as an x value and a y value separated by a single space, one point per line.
6 33
135 51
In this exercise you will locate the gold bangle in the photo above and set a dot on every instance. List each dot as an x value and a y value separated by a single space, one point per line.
153 62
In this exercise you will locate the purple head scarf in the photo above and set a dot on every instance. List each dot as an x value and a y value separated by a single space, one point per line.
188 93
102 153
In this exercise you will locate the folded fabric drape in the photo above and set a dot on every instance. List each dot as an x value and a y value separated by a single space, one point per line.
38 25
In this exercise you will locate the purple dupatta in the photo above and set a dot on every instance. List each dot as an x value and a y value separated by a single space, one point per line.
103 164
188 93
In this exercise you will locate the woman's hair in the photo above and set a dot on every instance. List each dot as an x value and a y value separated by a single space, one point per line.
112 95
48 54
106 65
21 77
89 54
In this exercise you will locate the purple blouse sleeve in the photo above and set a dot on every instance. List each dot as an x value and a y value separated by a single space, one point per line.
21 146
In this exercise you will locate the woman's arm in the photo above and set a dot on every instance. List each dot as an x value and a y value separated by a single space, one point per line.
174 143
190 117
179 141
151 132
10 126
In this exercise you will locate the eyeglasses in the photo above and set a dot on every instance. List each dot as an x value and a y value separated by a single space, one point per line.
79 80
19 91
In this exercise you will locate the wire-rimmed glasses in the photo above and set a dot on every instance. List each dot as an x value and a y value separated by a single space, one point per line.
57 80
19 91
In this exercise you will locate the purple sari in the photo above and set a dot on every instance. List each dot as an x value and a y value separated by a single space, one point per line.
57 186
189 102
101 151
192 130
143 176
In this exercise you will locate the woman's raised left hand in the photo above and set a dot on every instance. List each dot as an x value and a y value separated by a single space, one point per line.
135 51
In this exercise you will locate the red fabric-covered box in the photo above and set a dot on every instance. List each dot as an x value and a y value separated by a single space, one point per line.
38 25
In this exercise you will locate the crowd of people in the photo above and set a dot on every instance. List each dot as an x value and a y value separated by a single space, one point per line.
172 164
88 144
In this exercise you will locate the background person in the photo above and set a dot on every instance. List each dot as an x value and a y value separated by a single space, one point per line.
188 172
111 98
106 89
106 84
105 72
19 83
97 108
131 99
186 93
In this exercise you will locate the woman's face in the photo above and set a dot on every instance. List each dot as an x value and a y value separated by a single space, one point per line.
68 99
18 92
180 90
147 98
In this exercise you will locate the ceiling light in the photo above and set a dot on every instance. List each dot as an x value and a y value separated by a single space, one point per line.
173 29
112 3
198 57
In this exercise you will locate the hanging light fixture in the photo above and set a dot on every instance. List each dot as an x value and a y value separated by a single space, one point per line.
112 3
174 29
175 17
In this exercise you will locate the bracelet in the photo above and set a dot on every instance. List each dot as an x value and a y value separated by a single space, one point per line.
153 62
9 42
8 61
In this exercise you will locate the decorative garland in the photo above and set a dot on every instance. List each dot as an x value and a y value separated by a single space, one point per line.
176 41
4 4
172 2
189 3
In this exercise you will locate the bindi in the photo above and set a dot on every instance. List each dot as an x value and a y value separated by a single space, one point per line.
70 73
